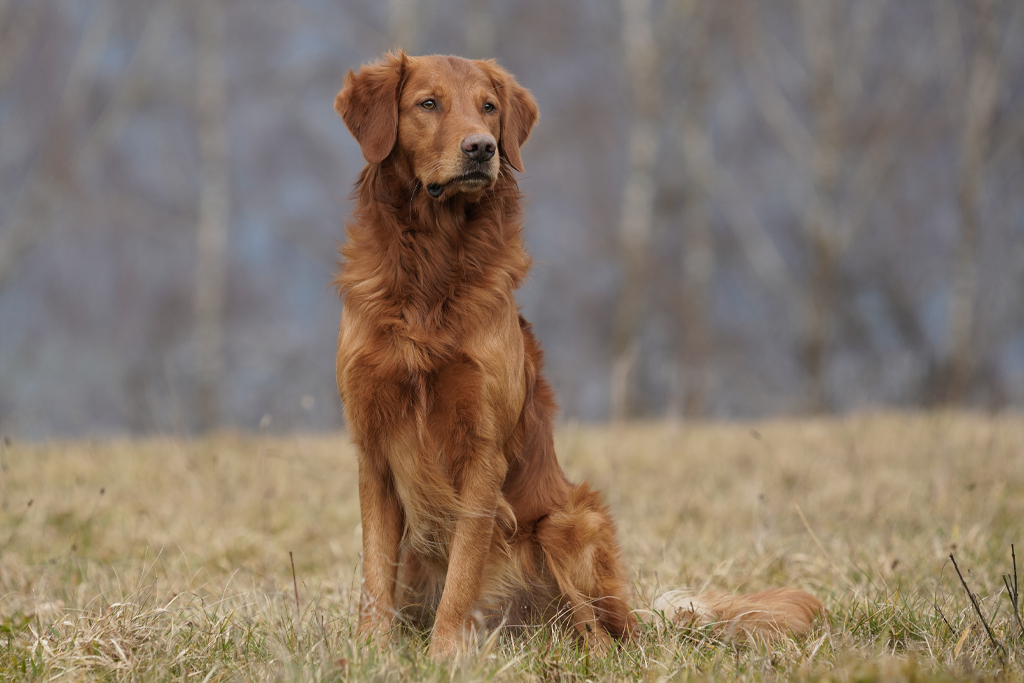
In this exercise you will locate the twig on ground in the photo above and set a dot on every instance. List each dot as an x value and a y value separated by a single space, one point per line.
1013 592
944 619
298 612
977 609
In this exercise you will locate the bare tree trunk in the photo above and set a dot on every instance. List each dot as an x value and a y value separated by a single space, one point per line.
694 348
214 211
638 197
481 33
821 224
403 24
982 91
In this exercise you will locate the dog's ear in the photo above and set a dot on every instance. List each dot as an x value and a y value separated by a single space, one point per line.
518 112
368 103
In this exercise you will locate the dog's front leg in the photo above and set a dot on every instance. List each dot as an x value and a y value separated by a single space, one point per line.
471 544
382 530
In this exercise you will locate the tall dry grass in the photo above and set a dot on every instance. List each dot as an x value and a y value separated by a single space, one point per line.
169 559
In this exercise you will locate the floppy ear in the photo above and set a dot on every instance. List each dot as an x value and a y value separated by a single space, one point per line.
518 112
368 103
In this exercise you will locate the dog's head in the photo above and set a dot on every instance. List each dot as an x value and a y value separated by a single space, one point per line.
452 118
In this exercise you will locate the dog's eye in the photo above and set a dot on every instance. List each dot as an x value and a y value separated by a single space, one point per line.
488 107
428 104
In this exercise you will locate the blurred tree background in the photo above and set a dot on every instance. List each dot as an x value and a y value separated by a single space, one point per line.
736 207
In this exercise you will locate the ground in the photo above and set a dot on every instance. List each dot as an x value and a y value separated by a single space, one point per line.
170 558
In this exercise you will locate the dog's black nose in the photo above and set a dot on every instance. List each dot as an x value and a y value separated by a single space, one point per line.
479 147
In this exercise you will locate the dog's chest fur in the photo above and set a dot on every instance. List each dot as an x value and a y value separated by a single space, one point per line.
424 355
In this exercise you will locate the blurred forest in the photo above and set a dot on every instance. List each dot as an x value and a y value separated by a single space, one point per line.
736 207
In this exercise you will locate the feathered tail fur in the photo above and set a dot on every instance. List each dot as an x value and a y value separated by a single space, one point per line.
767 614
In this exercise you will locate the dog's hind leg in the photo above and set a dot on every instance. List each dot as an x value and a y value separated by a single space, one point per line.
582 555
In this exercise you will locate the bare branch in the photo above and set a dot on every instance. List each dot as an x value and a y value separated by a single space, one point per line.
778 113
47 188
977 608
48 175
18 37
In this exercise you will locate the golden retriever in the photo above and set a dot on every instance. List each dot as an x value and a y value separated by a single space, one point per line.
468 520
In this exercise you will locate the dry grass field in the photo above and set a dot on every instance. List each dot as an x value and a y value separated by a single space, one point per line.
168 559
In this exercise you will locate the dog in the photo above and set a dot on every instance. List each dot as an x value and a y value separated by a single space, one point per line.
468 521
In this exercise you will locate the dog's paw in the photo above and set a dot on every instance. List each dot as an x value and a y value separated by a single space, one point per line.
375 627
442 649
452 642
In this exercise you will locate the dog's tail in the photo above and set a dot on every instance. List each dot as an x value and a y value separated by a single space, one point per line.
768 614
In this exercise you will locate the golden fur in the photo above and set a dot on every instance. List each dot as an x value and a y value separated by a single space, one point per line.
468 519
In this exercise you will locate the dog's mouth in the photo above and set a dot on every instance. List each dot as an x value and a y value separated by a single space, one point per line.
473 180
